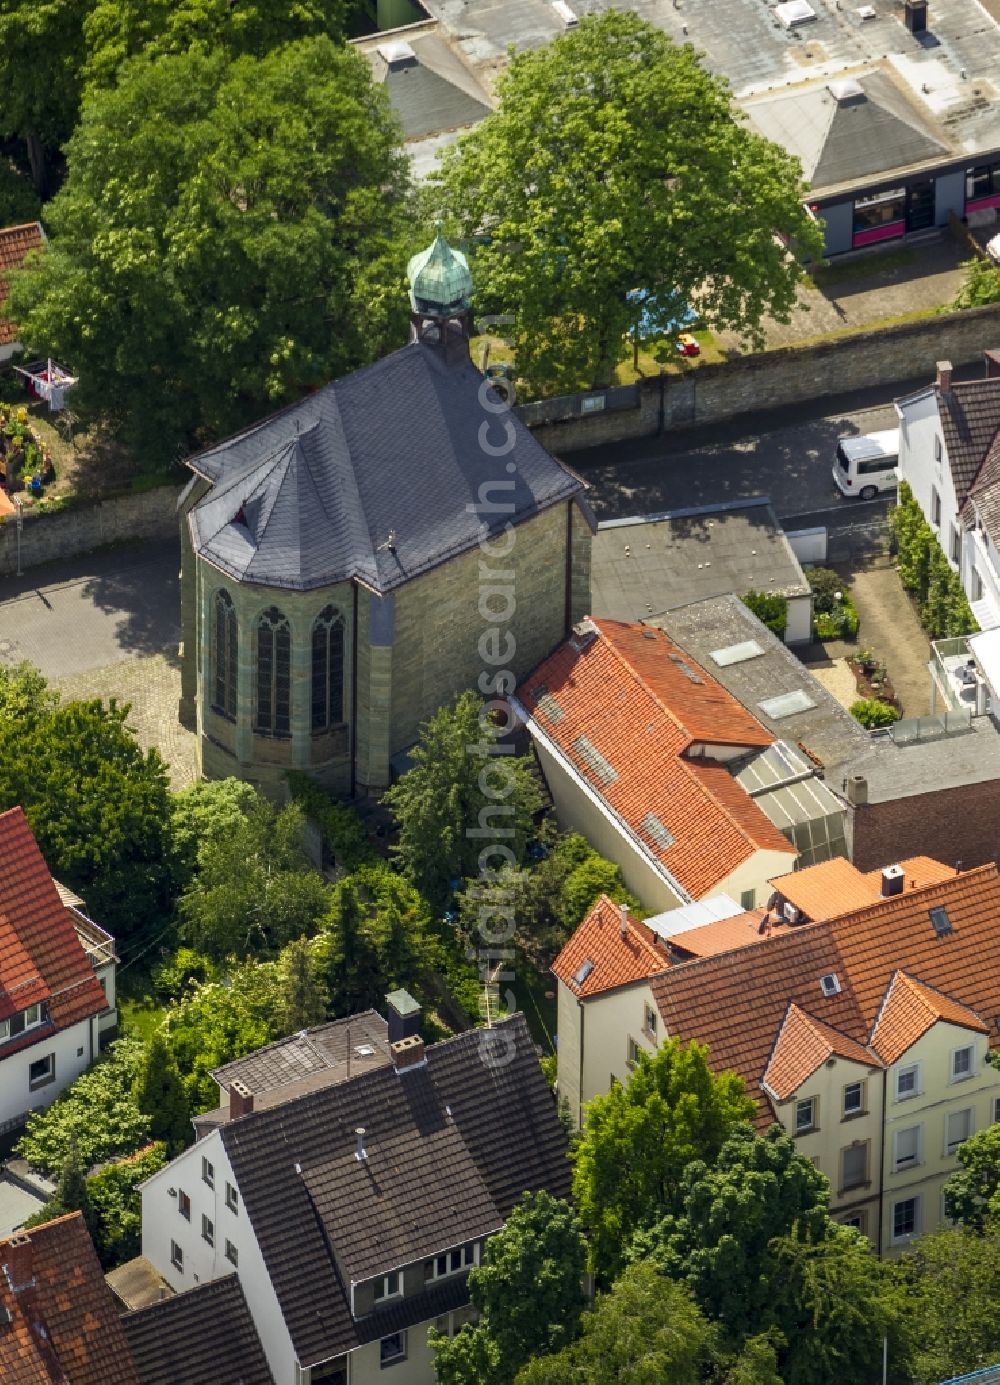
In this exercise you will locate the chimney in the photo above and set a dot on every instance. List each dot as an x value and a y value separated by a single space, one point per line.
915 15
992 362
857 790
17 1261
893 881
240 1100
408 1053
944 376
403 1014
623 920
360 1152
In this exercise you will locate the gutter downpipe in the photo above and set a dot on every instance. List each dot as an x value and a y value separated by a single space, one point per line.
881 1167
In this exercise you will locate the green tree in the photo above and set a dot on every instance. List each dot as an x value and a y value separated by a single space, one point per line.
41 57
302 997
453 795
770 610
872 712
644 1331
97 1112
718 1242
71 1194
97 803
616 163
981 284
160 1095
528 1292
757 1363
947 1287
972 1193
254 889
629 1167
234 228
204 812
117 1203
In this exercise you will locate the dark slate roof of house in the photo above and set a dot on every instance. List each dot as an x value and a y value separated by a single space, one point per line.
198 1338
491 1131
428 86
970 417
310 496
985 492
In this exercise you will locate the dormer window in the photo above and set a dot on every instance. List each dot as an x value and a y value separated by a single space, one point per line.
388 1287
452 1262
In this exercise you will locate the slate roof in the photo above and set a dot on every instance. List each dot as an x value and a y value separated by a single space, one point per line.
41 958
311 495
64 1328
428 87
623 705
985 492
802 1045
16 242
200 1337
480 1105
642 566
736 1002
970 417
615 959
833 887
323 1050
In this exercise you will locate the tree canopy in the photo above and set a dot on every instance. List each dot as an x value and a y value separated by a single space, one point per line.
629 1167
972 1193
160 1095
227 236
615 165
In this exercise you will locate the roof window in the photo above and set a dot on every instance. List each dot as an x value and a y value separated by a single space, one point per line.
830 984
736 653
786 705
592 757
686 669
660 834
582 972
546 703
940 920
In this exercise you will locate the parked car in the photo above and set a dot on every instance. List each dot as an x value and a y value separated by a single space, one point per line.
867 465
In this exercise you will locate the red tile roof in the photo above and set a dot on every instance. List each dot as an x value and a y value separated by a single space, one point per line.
833 887
64 1328
644 706
736 1001
15 243
41 958
803 1043
722 935
616 959
909 1010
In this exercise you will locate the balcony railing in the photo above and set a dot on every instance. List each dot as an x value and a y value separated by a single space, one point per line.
949 660
98 945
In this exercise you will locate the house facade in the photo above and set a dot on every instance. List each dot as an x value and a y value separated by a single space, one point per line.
57 986
353 1199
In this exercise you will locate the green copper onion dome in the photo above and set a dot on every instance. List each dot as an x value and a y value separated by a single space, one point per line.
440 282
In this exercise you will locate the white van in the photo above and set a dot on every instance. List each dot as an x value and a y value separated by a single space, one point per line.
868 464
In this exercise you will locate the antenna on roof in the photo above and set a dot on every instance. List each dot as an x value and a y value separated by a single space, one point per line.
390 543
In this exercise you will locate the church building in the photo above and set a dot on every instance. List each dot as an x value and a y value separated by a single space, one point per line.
357 560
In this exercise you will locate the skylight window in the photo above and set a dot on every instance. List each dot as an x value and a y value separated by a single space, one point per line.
592 757
660 834
830 984
786 705
940 920
686 669
546 703
736 653
582 972
365 1050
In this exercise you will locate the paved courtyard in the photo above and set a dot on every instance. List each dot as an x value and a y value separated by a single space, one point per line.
107 624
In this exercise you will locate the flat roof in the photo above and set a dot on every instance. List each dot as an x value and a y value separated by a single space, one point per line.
651 563
723 624
901 770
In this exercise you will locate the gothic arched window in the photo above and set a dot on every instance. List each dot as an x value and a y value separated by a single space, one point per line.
274 652
225 653
327 670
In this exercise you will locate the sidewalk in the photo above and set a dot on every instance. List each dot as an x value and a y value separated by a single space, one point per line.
889 626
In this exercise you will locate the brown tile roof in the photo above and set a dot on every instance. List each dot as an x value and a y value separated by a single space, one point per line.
722 935
909 1010
736 1001
15 243
803 1043
41 958
623 693
616 959
64 1328
970 417
481 1102
835 887
200 1337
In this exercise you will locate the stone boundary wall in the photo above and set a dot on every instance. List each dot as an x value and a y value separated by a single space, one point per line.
64 533
788 375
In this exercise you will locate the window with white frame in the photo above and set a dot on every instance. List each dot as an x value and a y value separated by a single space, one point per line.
41 1072
207 1172
958 1126
907 1081
963 1062
857 1220
935 508
854 1099
905 1218
32 1016
388 1286
232 1198
806 1115
207 1230
232 1254
392 1349
906 1148
649 1019
632 1052
452 1262
854 1165
450 1324
176 1256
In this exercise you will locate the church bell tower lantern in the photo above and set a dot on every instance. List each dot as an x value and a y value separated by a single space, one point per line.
440 294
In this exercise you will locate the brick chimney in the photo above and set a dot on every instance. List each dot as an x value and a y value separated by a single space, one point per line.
944 376
17 1260
402 1014
240 1100
408 1053
893 881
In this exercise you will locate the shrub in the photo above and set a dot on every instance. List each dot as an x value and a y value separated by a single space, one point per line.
343 831
925 571
827 589
770 610
873 712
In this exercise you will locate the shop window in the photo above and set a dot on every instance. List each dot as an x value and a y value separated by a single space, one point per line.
880 210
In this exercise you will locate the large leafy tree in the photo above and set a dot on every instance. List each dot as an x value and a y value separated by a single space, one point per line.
227 236
614 165
302 999
640 1138
972 1193
97 803
528 1292
117 1201
453 800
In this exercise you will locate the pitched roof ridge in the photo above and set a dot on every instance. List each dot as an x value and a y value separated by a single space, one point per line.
924 987
694 771
887 902
766 940
984 460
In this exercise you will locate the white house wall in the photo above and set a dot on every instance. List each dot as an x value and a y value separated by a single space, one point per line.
798 625
756 874
570 1029
74 1050
920 467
